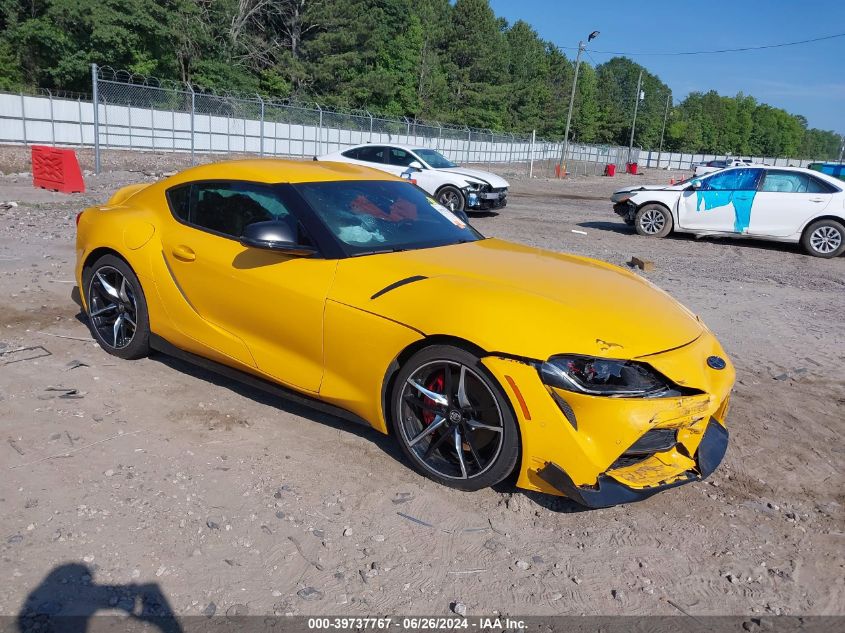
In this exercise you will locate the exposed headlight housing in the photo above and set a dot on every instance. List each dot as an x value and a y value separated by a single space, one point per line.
606 377
476 186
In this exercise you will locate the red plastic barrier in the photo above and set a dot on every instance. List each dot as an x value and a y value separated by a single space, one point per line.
632 168
56 169
610 169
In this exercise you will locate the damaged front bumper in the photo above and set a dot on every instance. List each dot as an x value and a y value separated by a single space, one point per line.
487 200
609 491
601 450
627 210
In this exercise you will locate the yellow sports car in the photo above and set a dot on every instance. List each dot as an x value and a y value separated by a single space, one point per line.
353 289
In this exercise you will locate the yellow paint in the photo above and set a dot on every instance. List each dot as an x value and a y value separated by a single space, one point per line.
311 324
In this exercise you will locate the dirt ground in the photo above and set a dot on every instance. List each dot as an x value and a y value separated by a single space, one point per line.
118 475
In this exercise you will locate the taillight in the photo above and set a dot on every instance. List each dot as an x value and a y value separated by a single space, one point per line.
79 215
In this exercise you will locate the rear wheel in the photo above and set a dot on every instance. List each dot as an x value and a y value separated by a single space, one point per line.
117 309
452 419
825 238
653 220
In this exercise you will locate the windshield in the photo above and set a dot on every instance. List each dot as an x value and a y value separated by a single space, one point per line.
434 158
374 216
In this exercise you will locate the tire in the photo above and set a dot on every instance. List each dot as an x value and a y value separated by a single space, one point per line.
112 293
825 238
467 440
451 197
653 220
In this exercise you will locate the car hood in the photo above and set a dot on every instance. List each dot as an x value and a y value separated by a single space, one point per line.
627 192
493 180
517 300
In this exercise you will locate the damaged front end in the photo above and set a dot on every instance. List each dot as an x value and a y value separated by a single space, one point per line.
626 209
638 475
604 432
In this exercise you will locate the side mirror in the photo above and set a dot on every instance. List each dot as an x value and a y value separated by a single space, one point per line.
694 184
415 164
274 235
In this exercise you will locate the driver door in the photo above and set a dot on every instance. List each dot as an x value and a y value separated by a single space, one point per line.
271 301
399 161
722 203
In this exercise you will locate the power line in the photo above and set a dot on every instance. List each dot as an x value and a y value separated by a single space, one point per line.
717 51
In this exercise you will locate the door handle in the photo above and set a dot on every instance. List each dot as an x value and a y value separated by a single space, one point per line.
184 253
816 199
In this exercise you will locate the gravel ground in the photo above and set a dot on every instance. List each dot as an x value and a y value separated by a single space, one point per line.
154 476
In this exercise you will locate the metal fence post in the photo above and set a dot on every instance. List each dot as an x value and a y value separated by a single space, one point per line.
320 131
129 120
52 119
469 142
81 128
23 118
371 125
96 103
261 130
531 154
193 96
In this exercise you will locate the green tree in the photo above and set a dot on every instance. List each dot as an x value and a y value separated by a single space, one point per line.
476 65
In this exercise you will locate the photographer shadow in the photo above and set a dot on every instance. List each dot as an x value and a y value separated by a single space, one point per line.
67 599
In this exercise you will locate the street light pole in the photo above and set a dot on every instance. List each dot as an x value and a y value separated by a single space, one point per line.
581 48
663 129
634 122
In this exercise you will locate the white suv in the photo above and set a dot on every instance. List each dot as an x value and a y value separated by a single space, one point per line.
456 188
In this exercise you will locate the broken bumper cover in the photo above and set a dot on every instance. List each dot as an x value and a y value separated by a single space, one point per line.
609 492
483 201
627 210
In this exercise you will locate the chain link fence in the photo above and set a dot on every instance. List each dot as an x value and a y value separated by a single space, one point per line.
141 113
138 113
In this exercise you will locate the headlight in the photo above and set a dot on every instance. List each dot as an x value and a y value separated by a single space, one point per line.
621 199
605 377
476 186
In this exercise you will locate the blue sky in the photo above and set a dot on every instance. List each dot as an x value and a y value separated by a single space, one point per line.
808 79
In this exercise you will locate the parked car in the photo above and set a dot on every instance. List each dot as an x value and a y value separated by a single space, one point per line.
456 188
353 291
785 204
837 170
715 165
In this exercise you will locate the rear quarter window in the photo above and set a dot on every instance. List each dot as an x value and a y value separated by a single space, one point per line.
179 199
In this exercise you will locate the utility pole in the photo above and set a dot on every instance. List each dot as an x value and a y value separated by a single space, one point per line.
634 122
842 149
663 129
581 48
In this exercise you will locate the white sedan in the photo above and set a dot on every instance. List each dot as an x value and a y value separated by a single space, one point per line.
785 204
456 188
715 165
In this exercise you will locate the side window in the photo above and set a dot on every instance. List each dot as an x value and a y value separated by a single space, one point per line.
785 182
228 208
400 157
732 180
179 199
371 154
351 153
817 186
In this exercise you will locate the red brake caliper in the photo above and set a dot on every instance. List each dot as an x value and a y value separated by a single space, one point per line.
436 384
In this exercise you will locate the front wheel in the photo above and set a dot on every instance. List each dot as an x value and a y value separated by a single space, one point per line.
825 238
653 220
452 419
451 198
117 309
